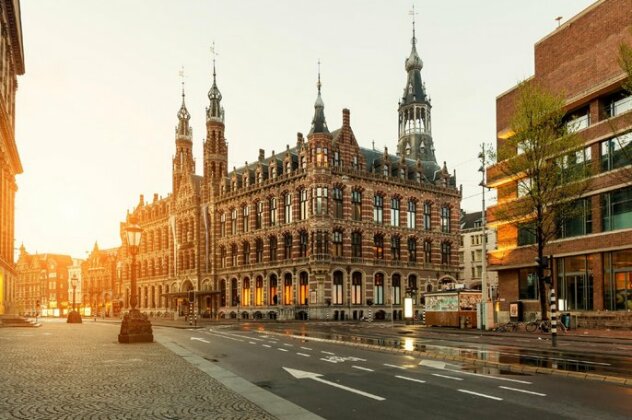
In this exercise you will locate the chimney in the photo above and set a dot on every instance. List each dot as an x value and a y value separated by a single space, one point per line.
261 154
299 138
346 119
141 202
155 197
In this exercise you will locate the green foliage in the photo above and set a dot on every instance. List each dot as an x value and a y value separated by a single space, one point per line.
544 157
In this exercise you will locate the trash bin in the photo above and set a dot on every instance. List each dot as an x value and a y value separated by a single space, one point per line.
566 320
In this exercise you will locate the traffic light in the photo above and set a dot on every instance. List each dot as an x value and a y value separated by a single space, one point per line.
544 262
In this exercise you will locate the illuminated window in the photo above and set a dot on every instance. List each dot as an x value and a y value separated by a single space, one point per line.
378 284
337 288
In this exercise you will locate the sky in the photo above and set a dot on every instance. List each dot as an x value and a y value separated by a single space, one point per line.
96 108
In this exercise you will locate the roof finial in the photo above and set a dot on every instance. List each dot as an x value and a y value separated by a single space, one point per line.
214 54
181 74
413 13
318 84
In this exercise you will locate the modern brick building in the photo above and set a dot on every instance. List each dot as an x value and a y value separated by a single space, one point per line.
592 267
325 228
11 66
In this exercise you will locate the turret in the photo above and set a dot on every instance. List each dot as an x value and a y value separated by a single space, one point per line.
183 162
215 147
415 127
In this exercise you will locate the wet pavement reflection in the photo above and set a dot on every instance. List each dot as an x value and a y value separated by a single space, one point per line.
568 360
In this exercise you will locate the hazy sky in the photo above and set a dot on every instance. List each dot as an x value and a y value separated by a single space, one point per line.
96 109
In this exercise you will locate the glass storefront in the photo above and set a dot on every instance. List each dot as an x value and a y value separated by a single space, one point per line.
618 280
575 282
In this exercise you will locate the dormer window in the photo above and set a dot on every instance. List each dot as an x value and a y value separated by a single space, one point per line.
259 177
336 158
385 170
354 162
288 166
274 171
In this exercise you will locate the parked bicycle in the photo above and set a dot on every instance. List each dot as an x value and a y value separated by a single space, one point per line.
544 326
508 327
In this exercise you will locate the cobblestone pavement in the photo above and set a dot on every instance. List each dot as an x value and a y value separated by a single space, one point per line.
80 371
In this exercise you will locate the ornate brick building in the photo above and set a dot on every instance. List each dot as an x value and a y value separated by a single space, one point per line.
42 284
11 66
324 229
100 282
592 266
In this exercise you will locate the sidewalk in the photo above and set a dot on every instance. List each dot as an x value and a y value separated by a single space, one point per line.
80 371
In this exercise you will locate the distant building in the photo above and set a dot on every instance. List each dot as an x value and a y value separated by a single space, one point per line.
42 284
74 270
325 229
11 66
471 252
592 266
100 282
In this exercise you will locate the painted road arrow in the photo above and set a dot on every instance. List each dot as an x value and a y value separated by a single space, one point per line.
200 339
301 374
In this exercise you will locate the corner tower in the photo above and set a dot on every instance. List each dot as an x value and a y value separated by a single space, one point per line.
215 148
183 162
415 127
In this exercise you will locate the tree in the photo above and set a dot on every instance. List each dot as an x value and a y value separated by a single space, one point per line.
545 158
625 61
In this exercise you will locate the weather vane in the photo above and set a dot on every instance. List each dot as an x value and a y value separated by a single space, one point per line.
181 74
413 13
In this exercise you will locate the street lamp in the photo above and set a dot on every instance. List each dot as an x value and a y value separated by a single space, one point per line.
135 327
74 317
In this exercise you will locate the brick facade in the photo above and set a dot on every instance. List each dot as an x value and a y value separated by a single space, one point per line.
579 61
200 238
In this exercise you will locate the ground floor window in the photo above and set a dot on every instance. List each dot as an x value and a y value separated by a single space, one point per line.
287 289
527 284
575 282
618 280
397 284
337 288
259 291
273 290
304 284
378 283
356 288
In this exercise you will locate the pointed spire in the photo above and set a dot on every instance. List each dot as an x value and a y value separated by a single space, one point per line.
183 129
413 62
214 112
319 125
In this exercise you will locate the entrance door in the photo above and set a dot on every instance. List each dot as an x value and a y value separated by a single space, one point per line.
623 290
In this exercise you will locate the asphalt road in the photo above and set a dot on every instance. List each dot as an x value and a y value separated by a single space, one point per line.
605 356
341 382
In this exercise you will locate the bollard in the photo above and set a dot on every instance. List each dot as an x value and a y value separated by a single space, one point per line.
553 319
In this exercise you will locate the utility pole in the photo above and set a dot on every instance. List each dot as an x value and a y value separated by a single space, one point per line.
484 287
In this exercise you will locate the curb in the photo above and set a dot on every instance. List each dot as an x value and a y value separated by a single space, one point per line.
511 367
276 406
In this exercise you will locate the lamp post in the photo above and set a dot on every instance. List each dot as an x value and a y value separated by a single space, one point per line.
135 327
74 317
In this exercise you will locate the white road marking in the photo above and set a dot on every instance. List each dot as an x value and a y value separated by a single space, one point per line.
432 363
303 354
327 352
395 366
523 390
252 342
243 336
306 348
362 368
299 374
282 349
200 339
491 397
447 377
410 379
498 378
328 360
225 336
266 345
289 345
